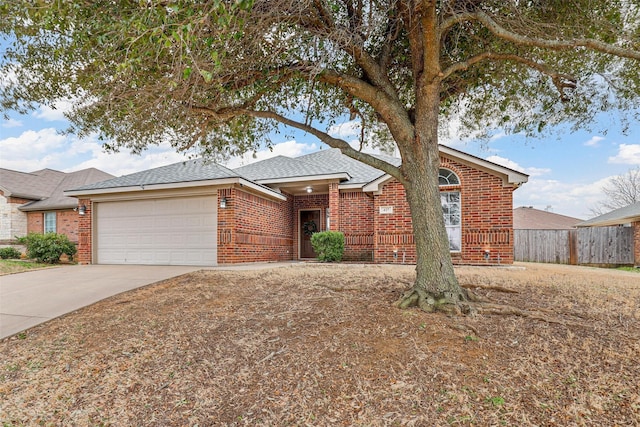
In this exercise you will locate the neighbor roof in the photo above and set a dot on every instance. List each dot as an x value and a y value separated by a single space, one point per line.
528 218
46 187
620 216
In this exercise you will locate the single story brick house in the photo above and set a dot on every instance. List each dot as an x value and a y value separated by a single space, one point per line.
200 213
34 201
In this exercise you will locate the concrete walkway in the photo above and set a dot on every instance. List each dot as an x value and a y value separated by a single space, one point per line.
33 297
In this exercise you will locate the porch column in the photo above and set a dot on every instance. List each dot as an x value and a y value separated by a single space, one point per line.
84 255
334 207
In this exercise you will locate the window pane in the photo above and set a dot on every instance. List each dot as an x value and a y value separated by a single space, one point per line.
50 222
447 177
452 218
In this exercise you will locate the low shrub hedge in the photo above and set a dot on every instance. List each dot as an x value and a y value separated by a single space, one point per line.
49 247
9 253
329 245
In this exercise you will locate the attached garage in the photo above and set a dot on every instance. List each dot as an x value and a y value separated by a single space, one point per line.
166 231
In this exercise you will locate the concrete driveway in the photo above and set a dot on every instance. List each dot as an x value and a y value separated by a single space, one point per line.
33 297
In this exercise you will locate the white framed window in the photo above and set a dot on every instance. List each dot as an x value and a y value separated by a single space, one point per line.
50 222
451 209
447 177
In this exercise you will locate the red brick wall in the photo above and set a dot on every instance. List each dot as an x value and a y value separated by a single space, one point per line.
67 222
393 231
35 222
254 229
356 222
487 219
84 255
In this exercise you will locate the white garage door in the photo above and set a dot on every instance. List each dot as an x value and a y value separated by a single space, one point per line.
175 231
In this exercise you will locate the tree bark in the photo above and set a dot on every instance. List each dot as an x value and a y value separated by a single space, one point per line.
436 286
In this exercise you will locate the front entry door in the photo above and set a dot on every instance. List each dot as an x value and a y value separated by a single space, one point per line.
309 224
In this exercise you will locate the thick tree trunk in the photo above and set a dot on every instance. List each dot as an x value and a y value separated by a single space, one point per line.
436 286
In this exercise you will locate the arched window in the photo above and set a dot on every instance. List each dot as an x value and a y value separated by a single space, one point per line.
451 209
448 177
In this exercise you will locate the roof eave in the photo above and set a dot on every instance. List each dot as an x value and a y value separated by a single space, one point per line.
305 178
176 185
609 222
510 176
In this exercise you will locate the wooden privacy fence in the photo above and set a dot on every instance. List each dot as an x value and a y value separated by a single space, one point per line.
589 245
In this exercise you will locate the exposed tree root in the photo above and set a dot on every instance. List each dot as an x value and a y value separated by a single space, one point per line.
491 288
471 304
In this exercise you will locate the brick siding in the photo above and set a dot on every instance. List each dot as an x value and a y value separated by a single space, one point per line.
487 220
35 222
84 255
356 222
254 229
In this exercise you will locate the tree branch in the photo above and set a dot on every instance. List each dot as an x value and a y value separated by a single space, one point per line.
503 33
231 112
560 80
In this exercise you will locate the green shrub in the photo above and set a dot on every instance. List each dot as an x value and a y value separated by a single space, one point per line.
329 245
9 253
49 247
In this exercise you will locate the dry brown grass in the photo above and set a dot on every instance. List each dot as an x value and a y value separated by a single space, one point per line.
322 345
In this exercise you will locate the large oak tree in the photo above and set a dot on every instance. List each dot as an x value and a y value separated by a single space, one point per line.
218 77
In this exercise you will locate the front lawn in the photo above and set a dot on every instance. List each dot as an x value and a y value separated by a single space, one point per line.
322 345
9 266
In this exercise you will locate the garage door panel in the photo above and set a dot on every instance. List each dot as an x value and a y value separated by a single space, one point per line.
178 231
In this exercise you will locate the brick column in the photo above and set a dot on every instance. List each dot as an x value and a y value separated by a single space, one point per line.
334 207
636 243
84 255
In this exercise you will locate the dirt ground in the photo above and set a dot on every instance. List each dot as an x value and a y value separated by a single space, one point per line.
323 345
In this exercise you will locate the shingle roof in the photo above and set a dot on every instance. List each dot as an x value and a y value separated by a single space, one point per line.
620 216
186 171
45 187
333 159
30 185
528 218
284 167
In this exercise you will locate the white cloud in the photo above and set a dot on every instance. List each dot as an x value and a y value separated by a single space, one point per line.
567 198
122 163
531 171
12 123
506 163
594 141
346 130
288 149
628 154
32 150
55 112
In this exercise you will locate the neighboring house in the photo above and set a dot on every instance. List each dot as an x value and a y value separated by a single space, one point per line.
529 218
628 216
34 201
201 213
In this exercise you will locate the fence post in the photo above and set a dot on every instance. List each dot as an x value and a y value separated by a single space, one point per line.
573 247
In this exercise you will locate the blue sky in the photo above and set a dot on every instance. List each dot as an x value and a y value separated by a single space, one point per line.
567 170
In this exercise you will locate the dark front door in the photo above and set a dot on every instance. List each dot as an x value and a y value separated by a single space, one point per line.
309 224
